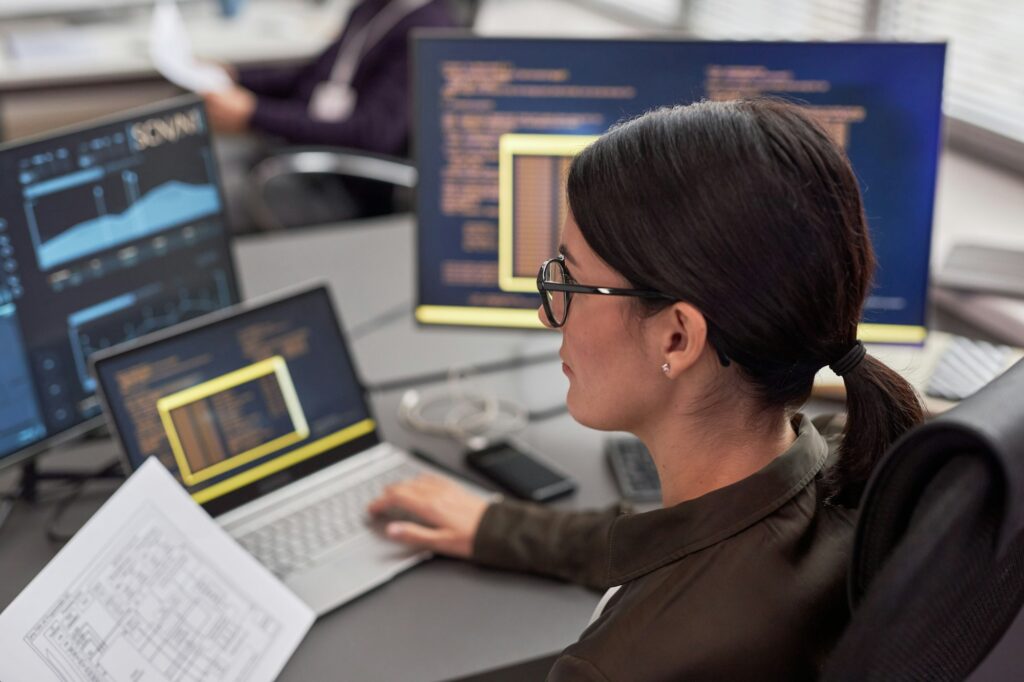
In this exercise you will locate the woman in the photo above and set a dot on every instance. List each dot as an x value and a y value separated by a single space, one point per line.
354 94
735 236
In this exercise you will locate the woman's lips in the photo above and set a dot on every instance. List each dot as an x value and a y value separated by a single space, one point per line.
565 368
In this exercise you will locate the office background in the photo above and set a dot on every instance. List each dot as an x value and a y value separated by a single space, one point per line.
979 167
493 619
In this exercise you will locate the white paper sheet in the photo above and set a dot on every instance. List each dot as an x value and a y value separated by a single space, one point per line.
151 589
171 52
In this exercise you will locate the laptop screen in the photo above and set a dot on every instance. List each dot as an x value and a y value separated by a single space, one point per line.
242 402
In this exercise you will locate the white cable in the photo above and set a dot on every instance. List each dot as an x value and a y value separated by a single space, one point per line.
471 417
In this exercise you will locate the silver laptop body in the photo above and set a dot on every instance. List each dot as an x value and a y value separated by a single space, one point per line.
315 533
311 530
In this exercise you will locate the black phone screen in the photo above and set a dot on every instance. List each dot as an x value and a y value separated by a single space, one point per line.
519 473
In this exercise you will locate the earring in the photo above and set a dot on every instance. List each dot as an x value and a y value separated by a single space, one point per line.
665 368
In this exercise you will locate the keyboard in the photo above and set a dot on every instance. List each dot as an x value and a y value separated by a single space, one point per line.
633 470
965 366
300 539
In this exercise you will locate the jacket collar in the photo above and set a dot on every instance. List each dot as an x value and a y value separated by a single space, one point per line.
641 543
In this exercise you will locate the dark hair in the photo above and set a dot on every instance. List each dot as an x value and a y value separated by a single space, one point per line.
749 211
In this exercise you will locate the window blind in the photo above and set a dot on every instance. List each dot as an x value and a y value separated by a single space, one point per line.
985 61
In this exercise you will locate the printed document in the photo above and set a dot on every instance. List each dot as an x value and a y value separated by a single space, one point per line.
171 52
151 589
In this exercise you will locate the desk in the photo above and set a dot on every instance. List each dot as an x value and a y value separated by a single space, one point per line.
445 618
95 68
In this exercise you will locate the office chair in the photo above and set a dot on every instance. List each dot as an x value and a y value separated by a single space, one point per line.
937 575
375 175
382 184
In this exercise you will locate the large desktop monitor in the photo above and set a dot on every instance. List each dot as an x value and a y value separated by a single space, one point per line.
498 121
107 232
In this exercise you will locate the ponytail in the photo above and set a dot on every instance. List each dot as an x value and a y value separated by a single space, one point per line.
880 407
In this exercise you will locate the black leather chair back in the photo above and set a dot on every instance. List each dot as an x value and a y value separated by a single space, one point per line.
937 574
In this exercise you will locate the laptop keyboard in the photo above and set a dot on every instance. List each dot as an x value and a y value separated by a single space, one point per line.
299 540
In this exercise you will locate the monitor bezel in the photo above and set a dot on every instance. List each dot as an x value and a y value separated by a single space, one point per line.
237 498
93 424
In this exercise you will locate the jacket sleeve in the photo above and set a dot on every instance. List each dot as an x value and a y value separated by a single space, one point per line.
571 545
569 668
270 81
379 122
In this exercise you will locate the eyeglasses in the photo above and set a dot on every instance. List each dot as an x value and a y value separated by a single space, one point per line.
557 286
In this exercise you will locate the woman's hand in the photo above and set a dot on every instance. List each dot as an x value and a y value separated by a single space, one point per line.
451 513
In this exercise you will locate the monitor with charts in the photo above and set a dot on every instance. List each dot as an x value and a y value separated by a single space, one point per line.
498 121
107 232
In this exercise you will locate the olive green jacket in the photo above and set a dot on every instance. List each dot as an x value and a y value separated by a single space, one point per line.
744 583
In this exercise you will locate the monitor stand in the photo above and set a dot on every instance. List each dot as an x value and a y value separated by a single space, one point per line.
28 487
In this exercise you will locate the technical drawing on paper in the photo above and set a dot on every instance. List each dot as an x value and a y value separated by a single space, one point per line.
152 608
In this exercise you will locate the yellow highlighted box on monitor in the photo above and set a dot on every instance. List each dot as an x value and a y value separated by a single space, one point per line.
891 333
167 407
525 318
537 208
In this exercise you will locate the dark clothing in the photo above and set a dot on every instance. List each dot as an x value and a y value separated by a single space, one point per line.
746 582
380 120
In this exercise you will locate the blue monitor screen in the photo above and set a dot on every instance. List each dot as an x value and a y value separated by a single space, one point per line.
107 232
499 120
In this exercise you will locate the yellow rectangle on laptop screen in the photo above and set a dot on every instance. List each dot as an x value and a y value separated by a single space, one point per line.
232 420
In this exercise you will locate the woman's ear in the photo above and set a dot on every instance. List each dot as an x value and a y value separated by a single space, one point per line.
683 338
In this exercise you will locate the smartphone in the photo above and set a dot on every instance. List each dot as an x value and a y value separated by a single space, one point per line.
520 472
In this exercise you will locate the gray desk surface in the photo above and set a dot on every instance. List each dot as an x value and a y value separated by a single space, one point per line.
444 618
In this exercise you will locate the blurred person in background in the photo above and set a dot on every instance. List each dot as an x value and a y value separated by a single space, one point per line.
355 94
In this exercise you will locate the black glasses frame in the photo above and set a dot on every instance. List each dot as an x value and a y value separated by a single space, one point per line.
572 287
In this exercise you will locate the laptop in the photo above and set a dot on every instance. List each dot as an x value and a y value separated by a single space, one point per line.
260 414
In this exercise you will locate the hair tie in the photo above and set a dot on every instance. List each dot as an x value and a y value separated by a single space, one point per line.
850 360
